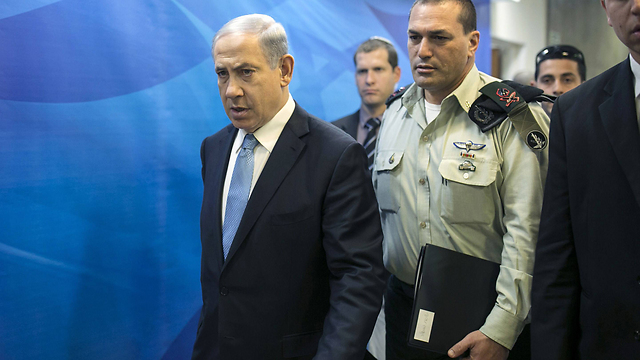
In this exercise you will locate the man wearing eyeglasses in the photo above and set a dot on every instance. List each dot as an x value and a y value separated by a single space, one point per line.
559 68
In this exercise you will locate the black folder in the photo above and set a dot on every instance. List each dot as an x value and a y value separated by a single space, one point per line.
453 295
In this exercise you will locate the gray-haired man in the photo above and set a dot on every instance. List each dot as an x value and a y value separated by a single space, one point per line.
291 237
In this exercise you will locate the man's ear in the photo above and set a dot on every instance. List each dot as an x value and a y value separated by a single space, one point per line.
604 6
474 40
286 69
396 74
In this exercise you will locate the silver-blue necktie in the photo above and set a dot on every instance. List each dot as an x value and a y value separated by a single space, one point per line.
239 191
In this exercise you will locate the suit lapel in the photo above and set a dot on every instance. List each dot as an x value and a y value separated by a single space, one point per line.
281 160
618 114
352 126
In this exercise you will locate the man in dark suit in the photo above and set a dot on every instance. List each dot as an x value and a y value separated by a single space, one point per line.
377 73
586 282
292 264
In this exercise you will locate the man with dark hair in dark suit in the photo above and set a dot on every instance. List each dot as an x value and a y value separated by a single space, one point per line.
291 237
586 280
377 73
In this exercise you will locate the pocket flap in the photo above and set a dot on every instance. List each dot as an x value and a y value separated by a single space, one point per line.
387 160
291 217
477 172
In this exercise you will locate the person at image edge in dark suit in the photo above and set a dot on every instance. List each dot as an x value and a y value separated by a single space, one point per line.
586 278
302 276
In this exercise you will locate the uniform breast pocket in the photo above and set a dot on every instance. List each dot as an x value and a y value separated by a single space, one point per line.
468 194
388 163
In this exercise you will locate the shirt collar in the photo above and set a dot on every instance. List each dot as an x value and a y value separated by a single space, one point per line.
269 133
635 69
364 116
465 94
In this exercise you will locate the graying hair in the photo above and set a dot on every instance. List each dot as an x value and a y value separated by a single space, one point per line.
271 35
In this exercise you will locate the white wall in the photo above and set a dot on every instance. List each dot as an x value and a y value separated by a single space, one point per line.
519 30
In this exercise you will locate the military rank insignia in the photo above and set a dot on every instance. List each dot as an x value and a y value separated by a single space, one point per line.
500 100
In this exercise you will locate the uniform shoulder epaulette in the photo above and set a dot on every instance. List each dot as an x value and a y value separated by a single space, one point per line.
500 99
396 95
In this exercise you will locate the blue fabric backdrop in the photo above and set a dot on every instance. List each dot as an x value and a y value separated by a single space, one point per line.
103 105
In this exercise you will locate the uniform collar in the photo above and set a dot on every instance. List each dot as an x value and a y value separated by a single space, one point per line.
465 94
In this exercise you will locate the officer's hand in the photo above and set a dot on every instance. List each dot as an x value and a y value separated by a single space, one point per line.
479 347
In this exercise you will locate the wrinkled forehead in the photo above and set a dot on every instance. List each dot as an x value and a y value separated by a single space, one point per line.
238 47
235 41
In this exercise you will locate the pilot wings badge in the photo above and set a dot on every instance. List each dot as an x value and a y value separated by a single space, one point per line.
468 145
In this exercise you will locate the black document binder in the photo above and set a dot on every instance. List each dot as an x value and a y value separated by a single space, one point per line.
453 295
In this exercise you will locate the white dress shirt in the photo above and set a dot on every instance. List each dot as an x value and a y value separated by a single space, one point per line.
635 68
267 137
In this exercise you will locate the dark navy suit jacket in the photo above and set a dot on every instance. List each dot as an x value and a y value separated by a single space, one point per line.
349 124
304 275
586 281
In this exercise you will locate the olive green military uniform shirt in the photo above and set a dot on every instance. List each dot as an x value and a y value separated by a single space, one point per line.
449 184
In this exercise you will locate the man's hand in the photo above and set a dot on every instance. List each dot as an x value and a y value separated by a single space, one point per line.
480 348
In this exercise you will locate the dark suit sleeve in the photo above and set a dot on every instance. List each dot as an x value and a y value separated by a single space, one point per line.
353 245
202 157
556 283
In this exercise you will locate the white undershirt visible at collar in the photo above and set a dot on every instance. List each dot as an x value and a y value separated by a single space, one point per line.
635 68
431 111
267 137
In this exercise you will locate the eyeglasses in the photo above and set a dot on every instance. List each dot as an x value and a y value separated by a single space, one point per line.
560 52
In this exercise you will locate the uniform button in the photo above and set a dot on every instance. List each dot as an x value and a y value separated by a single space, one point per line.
422 181
636 335
423 224
425 138
224 291
465 175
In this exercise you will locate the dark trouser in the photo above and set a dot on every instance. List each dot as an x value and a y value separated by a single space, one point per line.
397 308
522 349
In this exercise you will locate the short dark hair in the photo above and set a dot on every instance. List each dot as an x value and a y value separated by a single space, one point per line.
377 42
562 52
467 15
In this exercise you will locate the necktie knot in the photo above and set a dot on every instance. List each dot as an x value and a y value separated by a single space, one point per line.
249 142
372 123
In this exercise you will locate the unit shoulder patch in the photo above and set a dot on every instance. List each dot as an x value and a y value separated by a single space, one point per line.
396 95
